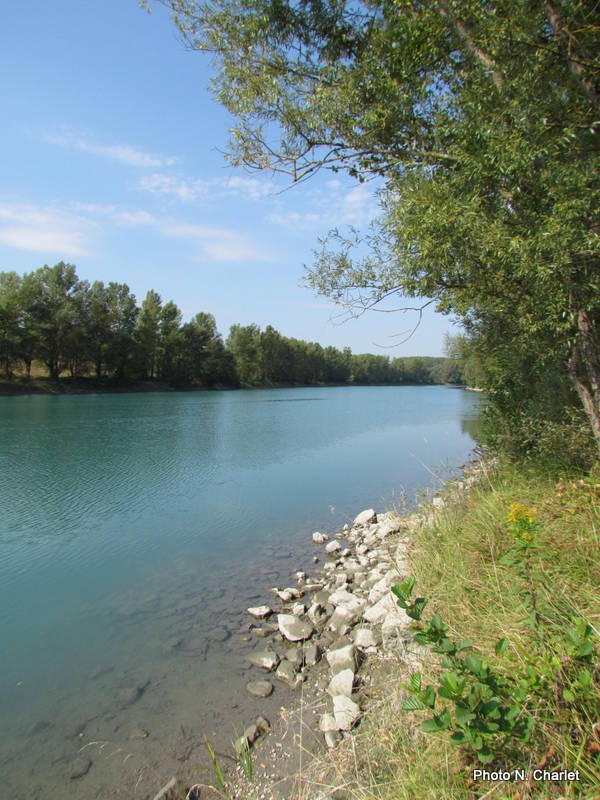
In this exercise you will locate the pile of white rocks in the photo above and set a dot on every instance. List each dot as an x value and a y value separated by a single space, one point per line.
346 614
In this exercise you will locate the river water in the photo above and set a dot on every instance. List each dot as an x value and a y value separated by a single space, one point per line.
135 529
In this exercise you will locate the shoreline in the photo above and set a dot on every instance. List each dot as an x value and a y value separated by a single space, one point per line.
327 637
49 388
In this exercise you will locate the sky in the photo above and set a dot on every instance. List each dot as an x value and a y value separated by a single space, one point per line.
111 159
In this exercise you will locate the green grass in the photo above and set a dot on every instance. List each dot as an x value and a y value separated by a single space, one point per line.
458 566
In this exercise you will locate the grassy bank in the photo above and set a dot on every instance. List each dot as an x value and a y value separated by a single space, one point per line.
526 592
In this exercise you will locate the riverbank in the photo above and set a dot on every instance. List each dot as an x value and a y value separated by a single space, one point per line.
68 386
457 548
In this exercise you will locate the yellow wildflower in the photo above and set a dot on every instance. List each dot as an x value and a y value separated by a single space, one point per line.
521 513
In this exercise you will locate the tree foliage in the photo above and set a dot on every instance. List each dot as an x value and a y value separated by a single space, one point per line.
482 119
51 316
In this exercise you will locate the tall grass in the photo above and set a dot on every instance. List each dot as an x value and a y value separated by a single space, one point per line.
458 564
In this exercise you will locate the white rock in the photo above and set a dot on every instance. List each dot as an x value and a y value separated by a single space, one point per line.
265 659
342 619
341 683
294 629
366 517
345 711
312 587
393 630
298 609
260 612
332 547
375 614
319 538
316 613
341 658
383 586
327 723
363 638
332 739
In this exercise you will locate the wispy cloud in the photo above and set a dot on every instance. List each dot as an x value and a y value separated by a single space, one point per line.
330 206
43 230
296 219
220 244
65 232
188 189
121 153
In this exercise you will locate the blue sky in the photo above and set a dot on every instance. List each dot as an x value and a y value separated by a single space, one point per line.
111 159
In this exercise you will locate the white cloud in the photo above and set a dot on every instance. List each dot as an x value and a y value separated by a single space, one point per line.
43 230
219 244
121 153
295 219
63 233
185 188
331 206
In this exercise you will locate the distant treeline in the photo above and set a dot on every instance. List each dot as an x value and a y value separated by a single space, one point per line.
49 316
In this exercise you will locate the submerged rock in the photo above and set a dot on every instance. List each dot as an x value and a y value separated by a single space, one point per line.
170 791
131 694
265 659
81 766
38 727
260 688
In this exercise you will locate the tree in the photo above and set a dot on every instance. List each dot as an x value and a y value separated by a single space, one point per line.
483 120
244 344
169 340
51 307
204 359
98 325
148 334
123 314
10 320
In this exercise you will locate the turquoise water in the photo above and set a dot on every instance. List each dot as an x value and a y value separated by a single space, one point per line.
135 530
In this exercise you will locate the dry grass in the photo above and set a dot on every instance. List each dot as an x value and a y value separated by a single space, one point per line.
457 564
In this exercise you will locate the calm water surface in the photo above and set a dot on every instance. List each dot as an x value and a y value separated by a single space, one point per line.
135 530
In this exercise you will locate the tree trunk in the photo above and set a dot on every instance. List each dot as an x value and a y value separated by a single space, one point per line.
586 353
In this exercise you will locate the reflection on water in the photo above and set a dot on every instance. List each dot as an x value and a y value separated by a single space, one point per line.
136 529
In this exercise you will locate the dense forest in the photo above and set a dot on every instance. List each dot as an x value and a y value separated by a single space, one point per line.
51 317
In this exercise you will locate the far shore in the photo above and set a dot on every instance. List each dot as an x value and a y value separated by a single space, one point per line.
68 386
